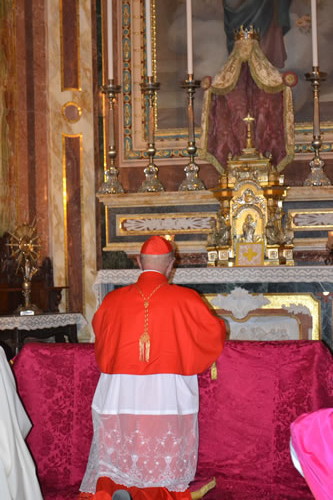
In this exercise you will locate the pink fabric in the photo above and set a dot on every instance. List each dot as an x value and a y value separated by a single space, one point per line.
244 418
312 439
227 129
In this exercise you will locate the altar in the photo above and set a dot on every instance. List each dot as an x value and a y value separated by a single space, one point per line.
291 295
252 244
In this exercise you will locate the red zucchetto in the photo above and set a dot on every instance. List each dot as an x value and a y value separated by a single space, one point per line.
156 245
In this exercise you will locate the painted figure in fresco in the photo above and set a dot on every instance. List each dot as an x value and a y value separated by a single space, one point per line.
270 17
285 27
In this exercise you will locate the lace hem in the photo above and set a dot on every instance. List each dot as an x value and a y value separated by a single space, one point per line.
143 451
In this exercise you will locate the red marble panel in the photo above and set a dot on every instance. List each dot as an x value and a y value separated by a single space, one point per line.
72 158
19 120
8 105
40 165
29 119
70 44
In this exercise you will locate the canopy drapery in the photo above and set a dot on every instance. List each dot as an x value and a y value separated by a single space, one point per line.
247 83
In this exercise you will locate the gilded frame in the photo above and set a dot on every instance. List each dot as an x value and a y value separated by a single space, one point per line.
170 143
279 302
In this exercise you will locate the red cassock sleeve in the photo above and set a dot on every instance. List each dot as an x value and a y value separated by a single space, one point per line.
185 335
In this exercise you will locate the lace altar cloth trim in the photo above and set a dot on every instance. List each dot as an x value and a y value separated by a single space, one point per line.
40 321
306 274
287 274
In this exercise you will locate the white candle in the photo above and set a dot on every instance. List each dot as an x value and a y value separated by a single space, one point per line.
110 39
189 37
148 39
314 32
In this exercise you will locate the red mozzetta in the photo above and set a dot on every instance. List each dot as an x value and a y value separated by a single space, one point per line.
185 336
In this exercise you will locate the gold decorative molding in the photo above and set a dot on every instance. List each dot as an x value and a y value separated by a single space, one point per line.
315 219
162 205
71 111
286 301
164 223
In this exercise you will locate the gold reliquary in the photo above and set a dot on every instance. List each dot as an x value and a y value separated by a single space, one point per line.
251 227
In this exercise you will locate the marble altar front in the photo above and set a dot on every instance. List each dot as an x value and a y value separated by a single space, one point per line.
304 292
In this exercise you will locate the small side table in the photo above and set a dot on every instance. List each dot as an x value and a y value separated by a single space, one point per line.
41 326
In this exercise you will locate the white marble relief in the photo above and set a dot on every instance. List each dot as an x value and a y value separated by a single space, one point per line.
265 328
314 219
167 223
296 309
240 302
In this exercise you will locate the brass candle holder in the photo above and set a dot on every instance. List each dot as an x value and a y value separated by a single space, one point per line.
191 181
111 183
317 176
151 182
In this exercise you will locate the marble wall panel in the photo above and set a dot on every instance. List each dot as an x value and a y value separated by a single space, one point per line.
73 222
70 29
26 118
8 165
72 116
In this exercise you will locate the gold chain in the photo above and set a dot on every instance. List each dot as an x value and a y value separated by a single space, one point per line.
144 341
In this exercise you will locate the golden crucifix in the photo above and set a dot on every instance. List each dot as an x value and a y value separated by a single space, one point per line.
248 120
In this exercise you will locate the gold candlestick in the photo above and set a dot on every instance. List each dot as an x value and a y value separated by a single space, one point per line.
317 176
191 181
111 184
151 182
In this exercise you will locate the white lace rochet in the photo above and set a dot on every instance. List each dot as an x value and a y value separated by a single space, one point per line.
144 450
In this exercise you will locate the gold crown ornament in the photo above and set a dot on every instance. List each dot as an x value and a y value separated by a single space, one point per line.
249 33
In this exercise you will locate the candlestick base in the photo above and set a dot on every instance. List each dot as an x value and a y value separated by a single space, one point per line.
191 181
317 177
111 184
151 184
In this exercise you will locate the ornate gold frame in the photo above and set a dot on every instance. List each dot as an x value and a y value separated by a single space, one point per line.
170 143
277 301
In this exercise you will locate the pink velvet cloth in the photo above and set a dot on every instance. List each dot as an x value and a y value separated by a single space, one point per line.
227 129
312 439
245 415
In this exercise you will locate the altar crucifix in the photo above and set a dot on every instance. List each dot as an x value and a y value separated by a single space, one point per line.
249 121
